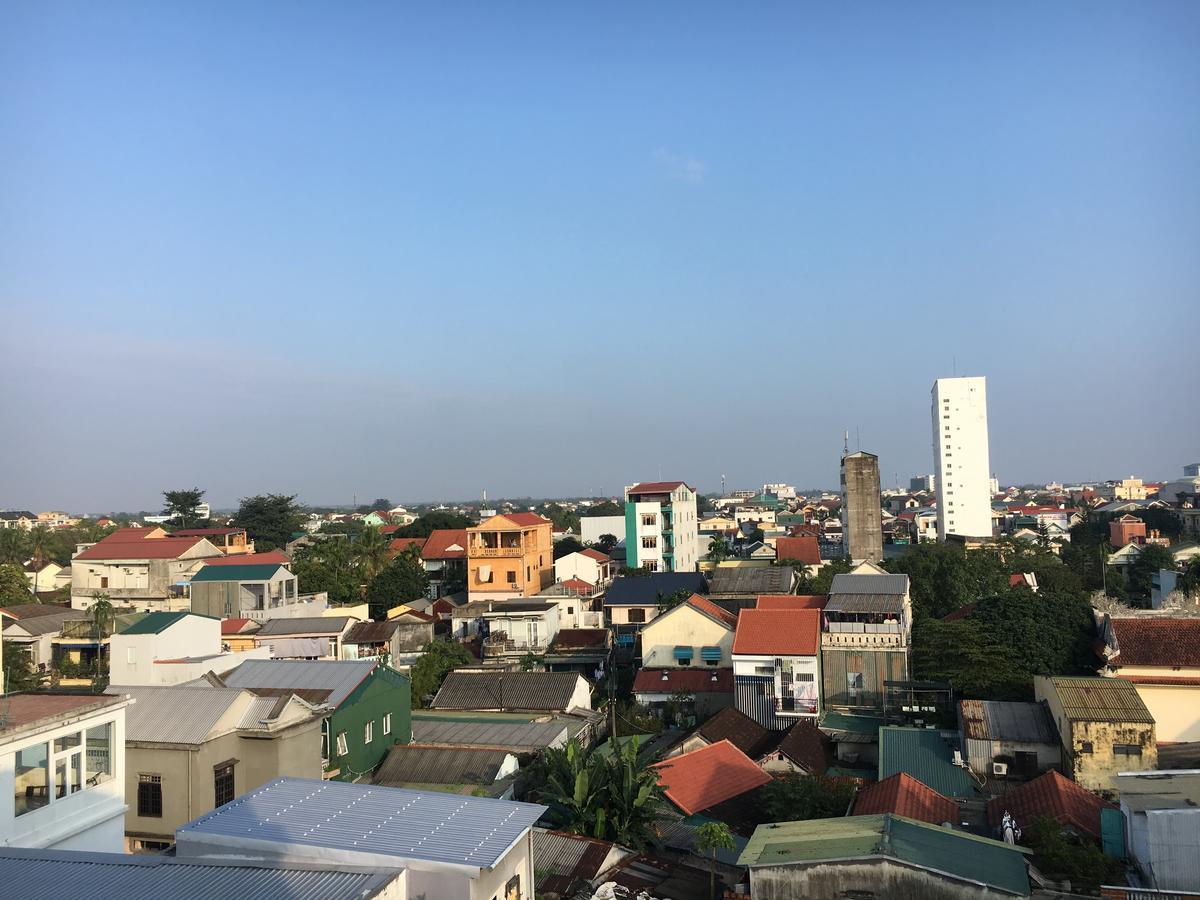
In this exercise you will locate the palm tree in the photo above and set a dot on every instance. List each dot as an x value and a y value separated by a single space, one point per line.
717 548
371 553
102 618
12 546
39 540
711 837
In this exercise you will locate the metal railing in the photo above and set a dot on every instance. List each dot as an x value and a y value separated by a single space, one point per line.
492 552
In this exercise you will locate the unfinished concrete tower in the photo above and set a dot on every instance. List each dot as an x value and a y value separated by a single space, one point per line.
862 522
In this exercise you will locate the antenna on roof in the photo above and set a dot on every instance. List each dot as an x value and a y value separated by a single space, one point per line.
845 443
857 438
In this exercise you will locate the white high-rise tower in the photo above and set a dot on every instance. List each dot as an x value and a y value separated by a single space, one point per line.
960 457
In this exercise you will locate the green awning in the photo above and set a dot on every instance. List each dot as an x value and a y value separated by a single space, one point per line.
683 652
710 653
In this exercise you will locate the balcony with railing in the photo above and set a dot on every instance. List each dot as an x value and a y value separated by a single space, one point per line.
501 644
492 544
864 634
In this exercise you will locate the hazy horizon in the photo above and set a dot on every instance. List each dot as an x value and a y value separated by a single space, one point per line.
420 252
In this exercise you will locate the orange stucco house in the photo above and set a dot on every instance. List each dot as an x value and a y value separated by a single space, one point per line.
510 555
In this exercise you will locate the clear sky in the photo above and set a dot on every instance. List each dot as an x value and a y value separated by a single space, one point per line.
549 248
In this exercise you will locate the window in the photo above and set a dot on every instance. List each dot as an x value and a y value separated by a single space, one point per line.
511 577
802 676
636 615
149 798
98 754
32 779
341 743
764 670
103 581
649 543
650 565
387 723
1126 750
650 519
369 732
223 783
1085 747
528 573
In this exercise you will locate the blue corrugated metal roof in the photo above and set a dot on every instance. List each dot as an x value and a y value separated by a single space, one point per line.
55 874
374 821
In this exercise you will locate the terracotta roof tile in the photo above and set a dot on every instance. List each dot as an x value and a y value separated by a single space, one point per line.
737 728
903 795
679 678
708 776
805 745
526 518
399 545
592 553
581 639
233 626
712 610
806 549
440 542
792 601
578 584
1051 795
778 632
155 548
657 487
1157 642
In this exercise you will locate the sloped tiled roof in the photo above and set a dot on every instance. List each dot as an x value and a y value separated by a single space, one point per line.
440 542
656 487
805 549
145 548
592 553
738 728
1050 795
905 796
791 601
678 678
236 626
643 590
1157 642
778 632
805 745
250 559
581 639
703 778
526 518
549 691
713 611
370 632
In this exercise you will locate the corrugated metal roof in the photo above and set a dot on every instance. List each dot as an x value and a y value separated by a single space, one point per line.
507 690
1098 699
339 677
998 720
155 622
235 572
331 625
752 581
865 603
177 714
379 821
412 764
53 874
869 584
520 737
957 854
923 754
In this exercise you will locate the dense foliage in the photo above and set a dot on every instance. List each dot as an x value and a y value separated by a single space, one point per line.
404 579
1062 856
56 545
14 586
183 506
269 519
328 565
430 670
796 797
436 520
567 546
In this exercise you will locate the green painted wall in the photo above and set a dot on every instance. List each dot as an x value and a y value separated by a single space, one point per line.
384 690
631 537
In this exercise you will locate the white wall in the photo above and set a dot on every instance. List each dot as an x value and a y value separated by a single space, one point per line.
576 565
592 527
961 459
133 655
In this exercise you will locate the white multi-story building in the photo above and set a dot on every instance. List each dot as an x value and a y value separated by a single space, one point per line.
960 456
662 532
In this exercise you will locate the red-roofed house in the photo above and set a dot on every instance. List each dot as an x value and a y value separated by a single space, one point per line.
269 557
803 549
703 778
792 601
776 667
140 567
510 555
445 558
588 565
903 795
709 690
1051 795
232 541
238 634
1161 656
697 632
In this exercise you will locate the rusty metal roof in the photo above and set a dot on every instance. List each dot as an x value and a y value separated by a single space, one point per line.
1101 699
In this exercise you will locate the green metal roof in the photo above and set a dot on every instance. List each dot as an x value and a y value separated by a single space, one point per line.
834 721
252 572
155 622
955 853
923 754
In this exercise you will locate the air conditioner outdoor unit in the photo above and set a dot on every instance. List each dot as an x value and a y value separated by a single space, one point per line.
999 769
958 758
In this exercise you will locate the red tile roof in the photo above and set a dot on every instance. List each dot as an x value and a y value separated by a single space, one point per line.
416 614
146 548
806 549
203 532
711 609
778 632
708 776
440 540
526 518
233 626
792 601
736 727
578 584
581 638
806 531
269 557
903 795
592 553
1157 642
692 681
389 529
961 613
1051 795
399 545
805 745
1159 679
657 487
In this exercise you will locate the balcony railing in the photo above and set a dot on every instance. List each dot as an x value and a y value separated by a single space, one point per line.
498 645
482 552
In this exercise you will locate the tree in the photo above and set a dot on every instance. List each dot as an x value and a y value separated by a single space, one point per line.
270 519
431 668
604 508
383 504
436 520
606 543
703 505
183 505
328 566
797 797
567 546
718 549
370 551
711 837
404 579
1062 857
14 586
39 544
18 669
667 602
823 580
102 617
13 546
562 518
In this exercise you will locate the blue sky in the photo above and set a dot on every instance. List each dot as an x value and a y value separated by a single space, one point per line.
423 250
